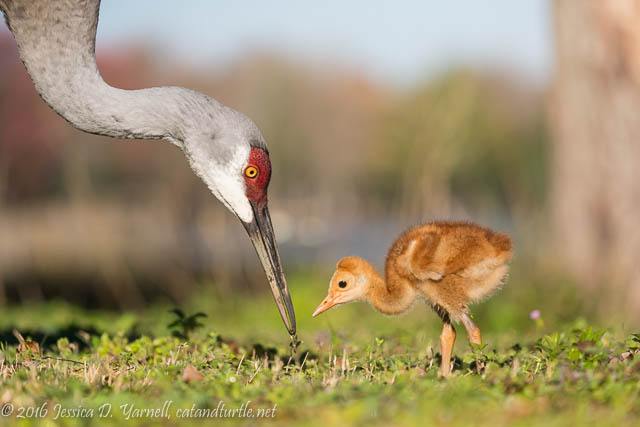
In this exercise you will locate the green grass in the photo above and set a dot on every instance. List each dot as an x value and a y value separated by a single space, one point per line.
354 366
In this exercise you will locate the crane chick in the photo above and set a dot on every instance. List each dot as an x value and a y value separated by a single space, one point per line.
448 264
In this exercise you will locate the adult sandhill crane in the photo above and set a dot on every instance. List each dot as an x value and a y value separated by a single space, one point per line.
56 41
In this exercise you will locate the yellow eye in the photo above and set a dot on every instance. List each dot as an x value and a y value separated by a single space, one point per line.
251 172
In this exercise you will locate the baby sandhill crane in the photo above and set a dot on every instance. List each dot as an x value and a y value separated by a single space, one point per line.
449 264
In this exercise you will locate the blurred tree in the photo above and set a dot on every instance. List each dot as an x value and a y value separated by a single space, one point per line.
30 155
319 122
350 155
463 145
596 125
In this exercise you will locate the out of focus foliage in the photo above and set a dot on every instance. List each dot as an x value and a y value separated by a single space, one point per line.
354 160
463 142
476 141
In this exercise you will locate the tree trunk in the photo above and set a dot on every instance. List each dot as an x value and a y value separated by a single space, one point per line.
595 115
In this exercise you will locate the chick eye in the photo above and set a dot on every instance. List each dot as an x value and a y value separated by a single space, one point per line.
251 172
342 284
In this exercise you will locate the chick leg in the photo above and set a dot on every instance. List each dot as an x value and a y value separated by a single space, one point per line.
474 336
473 332
447 339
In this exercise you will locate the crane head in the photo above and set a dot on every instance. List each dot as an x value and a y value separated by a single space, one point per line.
234 163
349 283
256 175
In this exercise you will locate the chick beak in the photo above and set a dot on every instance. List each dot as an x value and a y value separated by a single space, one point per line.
325 305
261 233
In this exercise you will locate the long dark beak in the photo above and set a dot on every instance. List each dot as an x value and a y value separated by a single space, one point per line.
261 234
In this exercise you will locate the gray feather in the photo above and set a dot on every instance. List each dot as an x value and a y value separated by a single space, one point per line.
56 41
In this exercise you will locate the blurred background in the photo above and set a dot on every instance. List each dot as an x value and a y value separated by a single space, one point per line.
523 116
